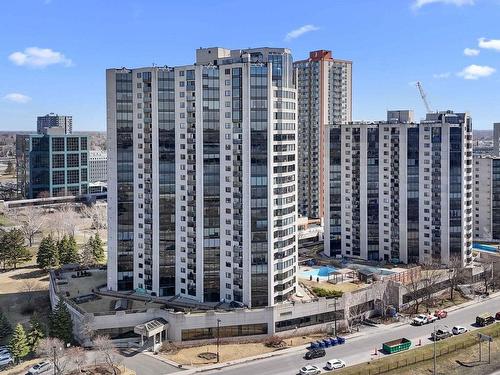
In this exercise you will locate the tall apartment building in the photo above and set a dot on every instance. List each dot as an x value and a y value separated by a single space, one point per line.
98 166
324 97
400 191
63 123
496 139
487 198
202 177
51 165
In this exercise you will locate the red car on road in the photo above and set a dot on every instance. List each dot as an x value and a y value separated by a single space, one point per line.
441 314
497 316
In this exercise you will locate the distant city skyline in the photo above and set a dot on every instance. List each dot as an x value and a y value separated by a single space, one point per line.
53 58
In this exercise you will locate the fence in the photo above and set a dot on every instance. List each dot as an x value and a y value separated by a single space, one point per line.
423 354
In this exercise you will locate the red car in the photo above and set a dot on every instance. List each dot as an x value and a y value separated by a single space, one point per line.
441 314
497 316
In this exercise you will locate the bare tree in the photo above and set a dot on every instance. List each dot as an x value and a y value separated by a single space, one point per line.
32 220
63 221
97 213
414 288
29 286
77 356
430 277
455 273
107 350
53 349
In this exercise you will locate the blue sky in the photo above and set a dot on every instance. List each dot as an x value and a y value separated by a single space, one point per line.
53 53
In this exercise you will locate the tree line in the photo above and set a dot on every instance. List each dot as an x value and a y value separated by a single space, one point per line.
53 253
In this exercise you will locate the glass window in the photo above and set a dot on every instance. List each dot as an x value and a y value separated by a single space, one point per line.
58 161
83 144
73 160
72 143
58 144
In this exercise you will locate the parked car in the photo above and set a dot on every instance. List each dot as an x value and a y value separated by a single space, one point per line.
333 364
441 314
422 319
310 370
40 368
497 316
6 360
484 319
458 330
441 334
4 350
315 353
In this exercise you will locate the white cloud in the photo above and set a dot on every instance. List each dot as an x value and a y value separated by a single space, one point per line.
421 3
39 58
489 43
300 31
476 71
442 75
471 52
16 97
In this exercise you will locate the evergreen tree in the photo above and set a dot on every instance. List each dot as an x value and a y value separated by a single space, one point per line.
61 325
97 248
68 250
5 327
62 246
16 251
18 344
87 257
47 256
72 253
36 332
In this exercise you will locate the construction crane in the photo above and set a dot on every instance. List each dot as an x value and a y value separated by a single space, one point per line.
424 97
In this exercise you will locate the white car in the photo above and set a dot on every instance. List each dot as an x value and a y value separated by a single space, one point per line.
310 370
333 364
6 360
40 368
457 330
4 351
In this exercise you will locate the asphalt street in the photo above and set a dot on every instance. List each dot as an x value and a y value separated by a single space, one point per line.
361 349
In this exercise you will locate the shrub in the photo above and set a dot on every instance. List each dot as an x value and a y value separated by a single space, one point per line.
274 342
321 292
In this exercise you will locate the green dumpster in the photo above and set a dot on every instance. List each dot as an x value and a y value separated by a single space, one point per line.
395 346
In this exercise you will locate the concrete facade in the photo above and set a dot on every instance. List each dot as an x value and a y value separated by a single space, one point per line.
98 166
202 196
486 198
400 191
325 97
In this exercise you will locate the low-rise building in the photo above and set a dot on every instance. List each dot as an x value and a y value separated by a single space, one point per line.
98 165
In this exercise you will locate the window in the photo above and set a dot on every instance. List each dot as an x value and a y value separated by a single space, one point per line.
73 177
73 160
83 160
58 178
58 161
58 144
72 144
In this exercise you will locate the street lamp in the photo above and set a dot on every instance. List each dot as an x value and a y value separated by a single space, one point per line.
218 339
335 315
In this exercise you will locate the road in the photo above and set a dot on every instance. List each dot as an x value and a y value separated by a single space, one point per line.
361 349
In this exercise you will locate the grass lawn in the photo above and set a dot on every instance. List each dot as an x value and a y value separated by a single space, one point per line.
232 351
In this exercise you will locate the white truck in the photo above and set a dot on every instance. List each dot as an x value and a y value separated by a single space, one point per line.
422 319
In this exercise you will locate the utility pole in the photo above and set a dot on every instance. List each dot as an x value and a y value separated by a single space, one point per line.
434 372
218 339
335 315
